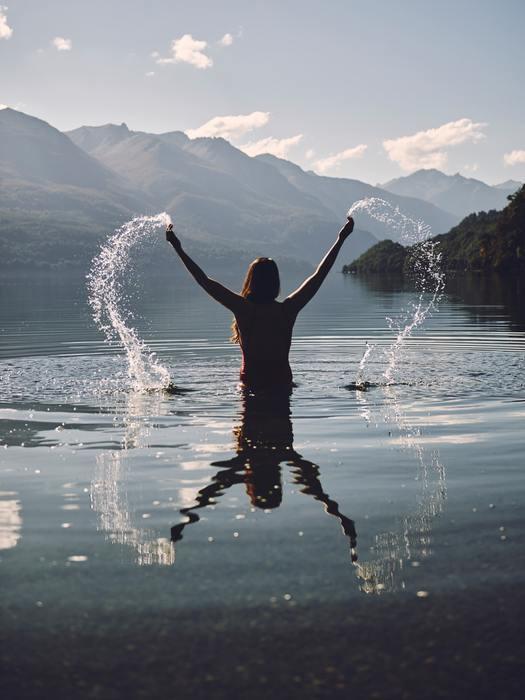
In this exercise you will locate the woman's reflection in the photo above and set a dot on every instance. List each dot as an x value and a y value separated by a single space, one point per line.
264 441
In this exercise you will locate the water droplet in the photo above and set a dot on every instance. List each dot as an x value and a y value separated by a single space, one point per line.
422 594
240 516
66 525
77 557
300 533
236 534
211 539
287 596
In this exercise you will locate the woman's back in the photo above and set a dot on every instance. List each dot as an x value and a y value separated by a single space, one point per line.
265 336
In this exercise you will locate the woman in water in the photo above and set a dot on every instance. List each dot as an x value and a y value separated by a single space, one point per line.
262 325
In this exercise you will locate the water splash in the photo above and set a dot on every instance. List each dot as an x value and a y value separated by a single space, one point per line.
425 267
406 230
360 379
430 282
105 283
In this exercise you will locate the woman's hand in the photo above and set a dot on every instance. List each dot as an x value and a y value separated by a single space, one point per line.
346 230
171 237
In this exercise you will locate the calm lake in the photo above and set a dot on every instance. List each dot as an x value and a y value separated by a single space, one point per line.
113 502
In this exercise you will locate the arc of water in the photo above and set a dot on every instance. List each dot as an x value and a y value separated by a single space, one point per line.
106 296
426 267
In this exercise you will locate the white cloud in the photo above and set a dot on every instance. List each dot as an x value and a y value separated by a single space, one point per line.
62 44
514 158
426 149
231 126
277 147
471 167
5 30
334 161
3 107
150 74
226 40
310 153
187 50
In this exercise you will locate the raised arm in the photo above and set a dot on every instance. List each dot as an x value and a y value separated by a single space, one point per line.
216 290
298 299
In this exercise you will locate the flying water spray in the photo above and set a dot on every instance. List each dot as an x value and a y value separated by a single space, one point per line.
106 287
425 266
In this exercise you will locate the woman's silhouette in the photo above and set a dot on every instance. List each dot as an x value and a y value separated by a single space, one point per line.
264 441
263 326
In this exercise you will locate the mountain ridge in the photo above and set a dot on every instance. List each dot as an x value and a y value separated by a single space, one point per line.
454 193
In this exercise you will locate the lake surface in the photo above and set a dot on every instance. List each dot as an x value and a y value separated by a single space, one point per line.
115 503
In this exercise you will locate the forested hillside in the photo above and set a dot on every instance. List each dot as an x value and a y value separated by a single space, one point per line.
485 242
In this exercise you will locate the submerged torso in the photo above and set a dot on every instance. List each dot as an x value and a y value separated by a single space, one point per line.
265 337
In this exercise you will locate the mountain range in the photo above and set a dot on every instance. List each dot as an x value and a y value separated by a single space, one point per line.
217 192
61 193
454 193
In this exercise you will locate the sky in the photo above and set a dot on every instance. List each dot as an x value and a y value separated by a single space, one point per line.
366 89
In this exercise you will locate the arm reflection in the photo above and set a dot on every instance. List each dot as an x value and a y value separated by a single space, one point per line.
264 441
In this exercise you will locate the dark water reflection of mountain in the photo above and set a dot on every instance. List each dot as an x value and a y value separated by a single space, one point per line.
472 292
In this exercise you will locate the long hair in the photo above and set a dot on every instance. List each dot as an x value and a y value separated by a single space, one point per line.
261 286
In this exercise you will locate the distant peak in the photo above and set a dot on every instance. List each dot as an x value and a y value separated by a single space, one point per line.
105 127
429 172
114 127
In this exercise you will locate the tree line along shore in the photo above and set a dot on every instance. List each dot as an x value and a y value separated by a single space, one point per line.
484 242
